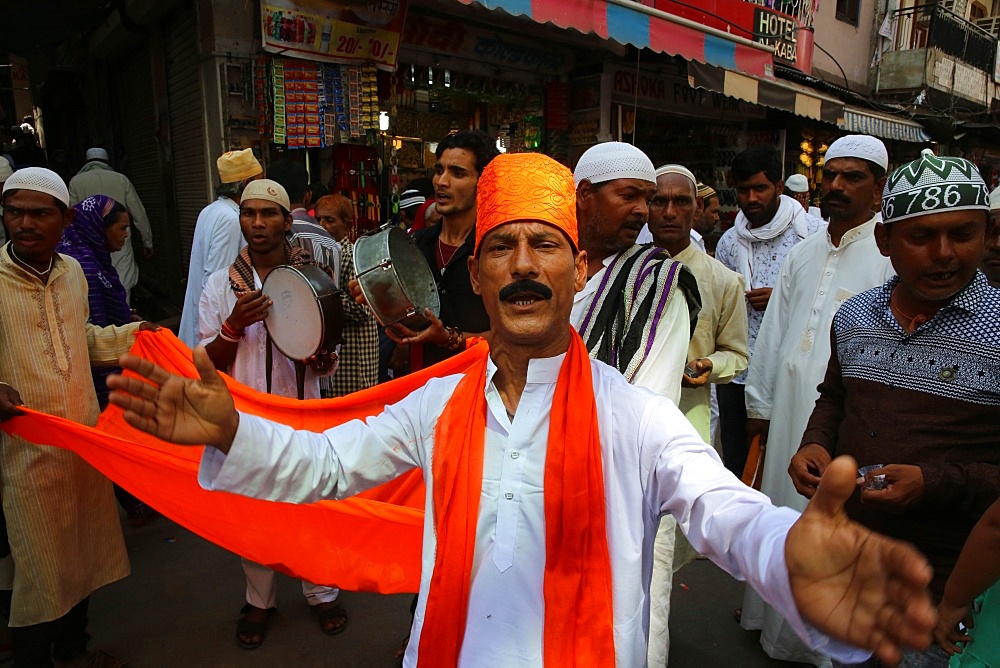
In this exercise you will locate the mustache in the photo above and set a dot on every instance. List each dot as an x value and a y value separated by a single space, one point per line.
836 197
525 285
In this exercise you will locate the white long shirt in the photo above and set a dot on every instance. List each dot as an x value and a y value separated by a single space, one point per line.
653 463
664 365
250 365
217 241
793 344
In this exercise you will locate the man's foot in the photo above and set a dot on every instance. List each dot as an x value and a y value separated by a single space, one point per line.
332 617
251 627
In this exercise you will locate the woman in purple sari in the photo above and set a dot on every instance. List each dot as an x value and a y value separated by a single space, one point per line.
100 226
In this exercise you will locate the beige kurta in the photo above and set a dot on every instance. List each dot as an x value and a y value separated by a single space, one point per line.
721 334
64 532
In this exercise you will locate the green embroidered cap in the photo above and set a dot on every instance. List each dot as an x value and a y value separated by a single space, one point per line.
932 184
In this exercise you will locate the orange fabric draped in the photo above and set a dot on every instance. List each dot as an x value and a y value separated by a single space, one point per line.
370 542
577 582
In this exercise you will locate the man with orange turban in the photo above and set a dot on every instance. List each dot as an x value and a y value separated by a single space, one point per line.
546 473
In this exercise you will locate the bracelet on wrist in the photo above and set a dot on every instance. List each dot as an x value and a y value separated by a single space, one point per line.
230 333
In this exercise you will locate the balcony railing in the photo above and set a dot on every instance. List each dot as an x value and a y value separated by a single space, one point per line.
933 25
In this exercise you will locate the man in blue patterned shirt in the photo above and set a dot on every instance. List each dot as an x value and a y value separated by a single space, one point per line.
913 385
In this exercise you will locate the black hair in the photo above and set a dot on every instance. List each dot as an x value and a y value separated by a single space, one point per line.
755 160
292 176
477 141
112 216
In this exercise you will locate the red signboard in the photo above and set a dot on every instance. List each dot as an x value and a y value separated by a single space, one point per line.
791 40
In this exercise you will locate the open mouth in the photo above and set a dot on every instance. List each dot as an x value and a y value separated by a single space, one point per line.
942 276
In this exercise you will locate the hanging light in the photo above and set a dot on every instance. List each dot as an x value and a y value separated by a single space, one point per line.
383 121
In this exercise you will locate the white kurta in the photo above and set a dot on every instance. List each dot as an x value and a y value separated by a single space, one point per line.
653 463
789 362
250 365
661 372
217 241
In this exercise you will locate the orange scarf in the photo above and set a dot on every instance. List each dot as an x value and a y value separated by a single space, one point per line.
329 542
577 581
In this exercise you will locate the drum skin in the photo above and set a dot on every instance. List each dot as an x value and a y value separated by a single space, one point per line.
395 278
306 313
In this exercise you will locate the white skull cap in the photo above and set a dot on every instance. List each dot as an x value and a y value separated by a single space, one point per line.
678 169
865 147
613 160
40 180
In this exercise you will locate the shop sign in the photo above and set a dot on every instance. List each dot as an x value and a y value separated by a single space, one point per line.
775 23
365 32
452 38
778 31
673 95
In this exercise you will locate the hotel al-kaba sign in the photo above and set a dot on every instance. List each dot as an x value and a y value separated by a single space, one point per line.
785 31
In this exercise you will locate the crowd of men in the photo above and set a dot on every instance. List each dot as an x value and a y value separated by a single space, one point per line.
870 332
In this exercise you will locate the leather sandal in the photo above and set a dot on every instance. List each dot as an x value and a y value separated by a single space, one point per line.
328 613
246 627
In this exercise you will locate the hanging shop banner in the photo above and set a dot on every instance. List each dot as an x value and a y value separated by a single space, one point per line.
490 47
673 95
351 32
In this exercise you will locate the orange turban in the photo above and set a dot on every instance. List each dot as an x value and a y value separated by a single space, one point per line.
526 187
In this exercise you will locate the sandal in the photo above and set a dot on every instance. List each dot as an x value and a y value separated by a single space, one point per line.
247 627
329 613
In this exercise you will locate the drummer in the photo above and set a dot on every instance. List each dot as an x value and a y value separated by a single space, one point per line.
231 317
461 158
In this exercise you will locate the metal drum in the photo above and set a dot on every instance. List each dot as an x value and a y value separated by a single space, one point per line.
395 278
306 314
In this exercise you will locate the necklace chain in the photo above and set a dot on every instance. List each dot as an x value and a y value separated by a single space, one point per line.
440 249
40 274
914 320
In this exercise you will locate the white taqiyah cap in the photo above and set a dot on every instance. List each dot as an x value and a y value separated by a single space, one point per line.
995 199
865 147
267 189
97 153
613 160
797 183
40 180
678 169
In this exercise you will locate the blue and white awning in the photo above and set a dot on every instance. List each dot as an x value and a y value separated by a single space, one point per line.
868 122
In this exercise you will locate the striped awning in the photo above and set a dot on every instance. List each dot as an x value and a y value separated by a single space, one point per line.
629 22
868 122
799 100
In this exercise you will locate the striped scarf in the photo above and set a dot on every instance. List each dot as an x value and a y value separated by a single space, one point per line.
621 323
241 271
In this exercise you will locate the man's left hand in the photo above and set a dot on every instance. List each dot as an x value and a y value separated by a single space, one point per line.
146 326
696 372
853 584
435 333
904 486
324 362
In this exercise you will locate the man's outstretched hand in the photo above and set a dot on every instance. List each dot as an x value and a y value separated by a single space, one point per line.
177 409
854 584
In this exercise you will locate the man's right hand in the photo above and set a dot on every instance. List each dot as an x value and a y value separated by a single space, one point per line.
10 399
807 467
174 408
250 307
355 287
758 298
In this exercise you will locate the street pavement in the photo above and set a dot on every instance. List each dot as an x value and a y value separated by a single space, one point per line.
179 609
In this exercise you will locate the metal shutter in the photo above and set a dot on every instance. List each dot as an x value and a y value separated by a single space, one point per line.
186 108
